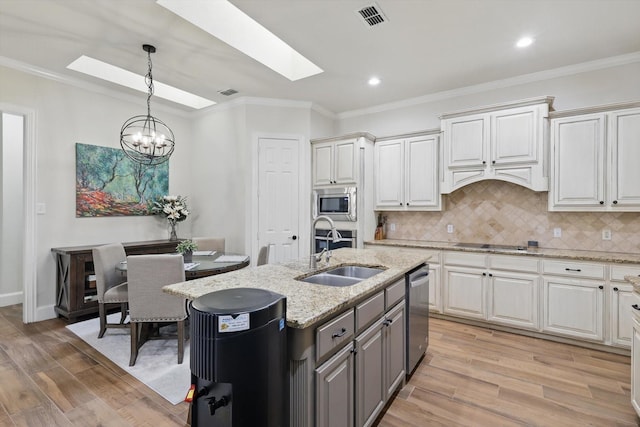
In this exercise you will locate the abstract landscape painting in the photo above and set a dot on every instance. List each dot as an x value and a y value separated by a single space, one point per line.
108 183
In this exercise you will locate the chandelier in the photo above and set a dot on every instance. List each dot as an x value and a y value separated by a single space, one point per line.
146 139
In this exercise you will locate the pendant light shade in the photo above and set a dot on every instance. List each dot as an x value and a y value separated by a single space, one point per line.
145 139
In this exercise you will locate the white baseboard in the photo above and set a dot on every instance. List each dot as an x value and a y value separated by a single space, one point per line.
10 299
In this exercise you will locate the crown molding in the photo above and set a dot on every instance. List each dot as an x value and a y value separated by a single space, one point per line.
266 102
583 67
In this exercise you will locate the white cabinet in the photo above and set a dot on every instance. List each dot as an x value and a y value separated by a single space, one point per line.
506 142
335 162
594 162
573 299
621 299
464 292
434 300
635 357
513 299
406 174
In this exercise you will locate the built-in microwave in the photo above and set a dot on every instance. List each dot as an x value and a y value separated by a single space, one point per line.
339 204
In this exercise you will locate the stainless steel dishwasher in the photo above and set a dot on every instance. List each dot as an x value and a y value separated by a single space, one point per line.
417 317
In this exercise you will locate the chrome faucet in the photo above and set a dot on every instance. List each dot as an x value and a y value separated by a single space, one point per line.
314 258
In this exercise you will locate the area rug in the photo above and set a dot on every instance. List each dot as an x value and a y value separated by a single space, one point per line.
157 363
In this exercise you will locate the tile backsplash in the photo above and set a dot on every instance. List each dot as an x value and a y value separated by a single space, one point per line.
503 213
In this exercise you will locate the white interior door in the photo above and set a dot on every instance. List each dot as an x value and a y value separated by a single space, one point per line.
278 205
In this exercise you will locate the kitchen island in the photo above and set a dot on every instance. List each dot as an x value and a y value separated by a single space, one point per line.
346 345
307 303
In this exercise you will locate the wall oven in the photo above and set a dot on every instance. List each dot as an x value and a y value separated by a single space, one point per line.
324 239
339 204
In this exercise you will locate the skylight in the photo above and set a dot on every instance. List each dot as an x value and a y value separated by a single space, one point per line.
113 74
226 22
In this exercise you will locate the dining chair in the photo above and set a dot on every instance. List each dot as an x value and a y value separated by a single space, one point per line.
110 285
263 255
210 243
148 304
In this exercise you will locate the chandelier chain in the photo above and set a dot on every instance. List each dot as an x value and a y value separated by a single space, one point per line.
149 81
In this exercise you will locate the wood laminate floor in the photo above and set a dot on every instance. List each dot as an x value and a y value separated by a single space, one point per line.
470 377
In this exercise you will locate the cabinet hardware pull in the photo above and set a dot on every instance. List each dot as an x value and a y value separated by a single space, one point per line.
484 162
602 202
600 287
490 274
484 274
407 204
339 334
615 289
635 306
615 202
387 322
494 162
573 269
400 203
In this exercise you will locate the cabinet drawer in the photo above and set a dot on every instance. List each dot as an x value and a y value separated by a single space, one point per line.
465 259
369 310
333 333
574 269
514 263
619 271
394 293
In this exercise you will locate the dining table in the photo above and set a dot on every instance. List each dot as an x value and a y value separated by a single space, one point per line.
205 263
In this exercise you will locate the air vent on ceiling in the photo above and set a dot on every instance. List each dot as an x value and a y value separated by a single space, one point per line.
372 15
227 92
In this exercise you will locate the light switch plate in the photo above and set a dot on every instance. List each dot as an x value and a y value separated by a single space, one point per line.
606 234
557 232
449 228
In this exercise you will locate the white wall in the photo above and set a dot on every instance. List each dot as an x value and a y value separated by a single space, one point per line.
604 86
67 115
11 210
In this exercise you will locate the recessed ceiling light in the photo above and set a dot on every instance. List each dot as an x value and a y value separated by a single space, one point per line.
524 42
113 74
374 81
226 22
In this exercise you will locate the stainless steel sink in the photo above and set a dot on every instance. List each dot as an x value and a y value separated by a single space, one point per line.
342 276
355 271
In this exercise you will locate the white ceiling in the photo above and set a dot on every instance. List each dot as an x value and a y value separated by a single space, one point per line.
426 47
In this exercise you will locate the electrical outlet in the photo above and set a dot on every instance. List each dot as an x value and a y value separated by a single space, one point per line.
392 226
557 232
449 228
606 234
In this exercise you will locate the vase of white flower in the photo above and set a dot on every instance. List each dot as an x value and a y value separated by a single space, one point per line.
174 208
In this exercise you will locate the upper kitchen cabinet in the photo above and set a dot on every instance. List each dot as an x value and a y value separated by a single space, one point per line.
594 159
336 161
406 173
506 142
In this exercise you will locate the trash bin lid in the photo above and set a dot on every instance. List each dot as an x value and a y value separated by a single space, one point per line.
237 300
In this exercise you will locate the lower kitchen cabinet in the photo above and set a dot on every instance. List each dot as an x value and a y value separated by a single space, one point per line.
574 307
622 299
635 357
335 391
464 292
513 299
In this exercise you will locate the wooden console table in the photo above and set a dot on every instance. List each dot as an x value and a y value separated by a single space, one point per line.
76 295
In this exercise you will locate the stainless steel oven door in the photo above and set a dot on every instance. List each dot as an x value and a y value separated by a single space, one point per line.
339 204
324 239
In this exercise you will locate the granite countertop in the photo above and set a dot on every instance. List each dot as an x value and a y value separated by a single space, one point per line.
635 281
577 255
307 303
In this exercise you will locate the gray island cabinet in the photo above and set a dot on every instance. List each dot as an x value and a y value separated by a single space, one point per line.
346 345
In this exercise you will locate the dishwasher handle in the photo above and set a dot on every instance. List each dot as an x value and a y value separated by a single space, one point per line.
419 278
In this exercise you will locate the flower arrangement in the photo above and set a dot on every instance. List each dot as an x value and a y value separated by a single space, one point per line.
186 246
174 208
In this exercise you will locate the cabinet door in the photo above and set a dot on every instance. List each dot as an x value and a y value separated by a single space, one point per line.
389 158
514 136
464 292
622 299
421 175
334 390
395 348
574 307
345 163
635 364
624 138
513 299
370 368
466 139
323 163
435 288
578 167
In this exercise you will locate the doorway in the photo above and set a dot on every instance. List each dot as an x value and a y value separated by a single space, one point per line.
18 276
278 197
